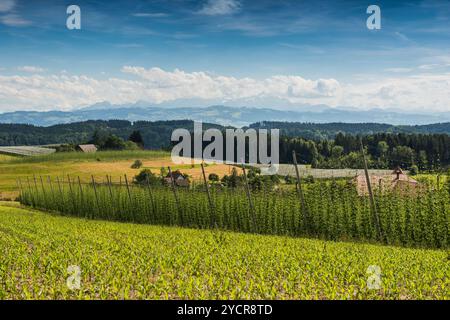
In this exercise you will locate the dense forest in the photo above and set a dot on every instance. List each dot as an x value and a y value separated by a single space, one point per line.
384 151
156 135
332 145
319 131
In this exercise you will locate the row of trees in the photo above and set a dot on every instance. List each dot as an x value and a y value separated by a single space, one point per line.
105 140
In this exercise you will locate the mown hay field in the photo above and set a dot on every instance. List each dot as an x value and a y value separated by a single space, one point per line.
84 165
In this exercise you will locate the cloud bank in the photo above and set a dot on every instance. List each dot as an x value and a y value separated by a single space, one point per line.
64 91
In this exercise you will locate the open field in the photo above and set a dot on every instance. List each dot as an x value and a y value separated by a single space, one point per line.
121 260
5 157
84 165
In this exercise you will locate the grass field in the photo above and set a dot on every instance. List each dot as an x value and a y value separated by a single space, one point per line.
84 165
128 261
5 157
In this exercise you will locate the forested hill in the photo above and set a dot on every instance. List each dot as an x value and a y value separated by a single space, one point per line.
157 134
319 131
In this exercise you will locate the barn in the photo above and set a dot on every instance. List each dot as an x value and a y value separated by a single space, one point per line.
86 148
180 179
397 180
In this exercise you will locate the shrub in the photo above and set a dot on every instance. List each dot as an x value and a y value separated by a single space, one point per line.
130 145
414 170
137 164
289 179
66 148
145 174
213 177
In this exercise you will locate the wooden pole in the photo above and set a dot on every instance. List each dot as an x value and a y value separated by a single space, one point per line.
29 190
300 192
72 196
149 190
109 181
81 194
35 184
59 186
49 180
61 200
110 188
95 192
250 201
43 189
128 187
129 197
373 207
172 180
211 205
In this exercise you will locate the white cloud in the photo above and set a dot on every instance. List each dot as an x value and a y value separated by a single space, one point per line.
220 7
7 5
429 92
398 70
429 66
31 69
14 20
150 15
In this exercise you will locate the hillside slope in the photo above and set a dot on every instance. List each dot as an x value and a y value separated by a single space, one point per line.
128 261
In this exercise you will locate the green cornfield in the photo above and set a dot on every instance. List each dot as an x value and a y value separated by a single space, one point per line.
332 211
130 261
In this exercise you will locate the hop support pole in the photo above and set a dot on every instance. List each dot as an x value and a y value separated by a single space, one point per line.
373 207
174 190
300 191
250 201
211 205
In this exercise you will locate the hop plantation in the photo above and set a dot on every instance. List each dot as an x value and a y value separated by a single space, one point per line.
332 211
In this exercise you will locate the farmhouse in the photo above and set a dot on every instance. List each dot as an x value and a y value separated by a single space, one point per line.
397 180
86 148
180 179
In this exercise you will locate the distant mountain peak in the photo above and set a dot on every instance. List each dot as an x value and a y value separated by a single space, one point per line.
220 114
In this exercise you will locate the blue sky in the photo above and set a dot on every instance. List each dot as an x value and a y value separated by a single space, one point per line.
299 52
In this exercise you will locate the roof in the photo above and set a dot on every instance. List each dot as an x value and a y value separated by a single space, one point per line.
87 147
176 175
386 182
179 179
